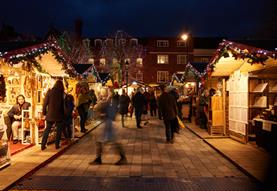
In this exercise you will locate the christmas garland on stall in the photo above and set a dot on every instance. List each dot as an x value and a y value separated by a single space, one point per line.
239 51
29 54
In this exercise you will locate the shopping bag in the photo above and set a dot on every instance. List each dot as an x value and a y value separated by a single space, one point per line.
181 124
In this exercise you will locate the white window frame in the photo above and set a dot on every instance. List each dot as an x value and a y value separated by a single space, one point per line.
134 42
97 41
162 43
162 76
181 43
162 59
182 59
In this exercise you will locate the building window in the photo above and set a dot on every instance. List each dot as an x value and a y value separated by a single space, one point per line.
181 59
181 43
115 62
162 76
109 42
162 59
122 41
91 61
102 61
134 42
139 62
201 59
162 43
139 76
98 42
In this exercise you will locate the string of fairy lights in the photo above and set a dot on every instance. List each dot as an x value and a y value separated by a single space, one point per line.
239 51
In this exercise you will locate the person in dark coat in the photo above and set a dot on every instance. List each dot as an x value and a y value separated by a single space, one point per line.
168 108
69 107
203 107
124 101
139 101
53 108
153 104
15 115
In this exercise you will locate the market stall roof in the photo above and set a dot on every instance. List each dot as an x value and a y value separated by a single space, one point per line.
46 57
231 56
82 68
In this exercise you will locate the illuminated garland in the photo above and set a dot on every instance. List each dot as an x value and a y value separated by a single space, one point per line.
239 51
30 53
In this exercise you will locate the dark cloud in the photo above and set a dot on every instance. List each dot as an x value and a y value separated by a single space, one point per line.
140 17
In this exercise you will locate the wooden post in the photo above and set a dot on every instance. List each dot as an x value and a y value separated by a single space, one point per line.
224 105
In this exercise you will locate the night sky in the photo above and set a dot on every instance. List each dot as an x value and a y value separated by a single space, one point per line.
145 18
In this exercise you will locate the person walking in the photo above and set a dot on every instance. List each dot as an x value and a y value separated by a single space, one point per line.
124 101
68 111
139 102
108 113
83 104
168 108
203 107
53 109
153 104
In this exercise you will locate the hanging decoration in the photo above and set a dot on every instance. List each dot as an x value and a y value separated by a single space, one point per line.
29 54
239 51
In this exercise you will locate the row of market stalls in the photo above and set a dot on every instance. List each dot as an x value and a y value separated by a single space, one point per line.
243 83
246 107
31 71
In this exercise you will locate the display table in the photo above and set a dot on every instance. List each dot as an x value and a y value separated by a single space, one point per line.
266 133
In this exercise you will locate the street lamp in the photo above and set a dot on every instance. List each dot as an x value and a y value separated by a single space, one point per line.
185 39
126 73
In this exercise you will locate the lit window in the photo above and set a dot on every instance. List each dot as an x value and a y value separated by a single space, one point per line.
181 43
162 59
91 61
162 76
102 61
139 61
162 43
181 59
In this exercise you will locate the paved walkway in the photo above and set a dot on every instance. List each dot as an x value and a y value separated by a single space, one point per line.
188 163
250 158
31 159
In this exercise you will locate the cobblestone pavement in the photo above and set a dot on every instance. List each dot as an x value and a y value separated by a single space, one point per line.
188 164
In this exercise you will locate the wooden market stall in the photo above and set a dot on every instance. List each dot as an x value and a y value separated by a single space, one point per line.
31 71
246 79
188 83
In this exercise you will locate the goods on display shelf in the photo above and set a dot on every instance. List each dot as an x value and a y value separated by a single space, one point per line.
4 145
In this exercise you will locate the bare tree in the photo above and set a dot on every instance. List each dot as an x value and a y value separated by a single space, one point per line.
123 56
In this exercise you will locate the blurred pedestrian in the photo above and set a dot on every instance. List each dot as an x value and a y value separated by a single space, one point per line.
108 113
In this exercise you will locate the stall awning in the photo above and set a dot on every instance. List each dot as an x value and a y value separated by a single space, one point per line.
231 56
51 65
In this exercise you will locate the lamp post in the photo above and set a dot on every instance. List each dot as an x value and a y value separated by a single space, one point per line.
185 39
126 73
